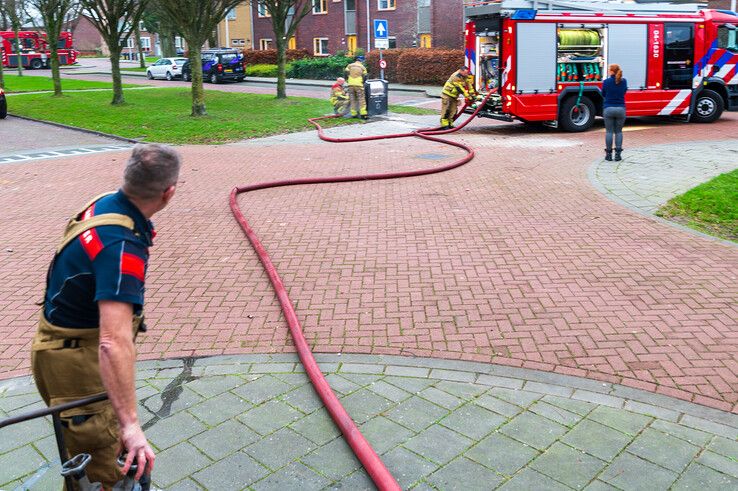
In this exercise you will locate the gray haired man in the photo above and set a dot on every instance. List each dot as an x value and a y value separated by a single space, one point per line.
93 310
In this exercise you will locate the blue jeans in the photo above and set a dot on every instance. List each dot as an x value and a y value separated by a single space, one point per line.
614 121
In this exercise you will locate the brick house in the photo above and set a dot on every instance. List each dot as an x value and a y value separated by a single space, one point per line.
341 25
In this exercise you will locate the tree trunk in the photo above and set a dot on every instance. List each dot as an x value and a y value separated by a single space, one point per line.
281 68
19 58
2 74
168 50
198 92
115 66
141 54
55 75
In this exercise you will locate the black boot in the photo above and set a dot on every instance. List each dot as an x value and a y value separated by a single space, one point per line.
608 154
618 151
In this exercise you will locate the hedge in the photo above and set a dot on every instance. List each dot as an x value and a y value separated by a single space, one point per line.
428 66
269 56
262 70
392 56
327 68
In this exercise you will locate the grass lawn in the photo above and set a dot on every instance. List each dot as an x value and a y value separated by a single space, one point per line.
419 111
32 83
163 115
711 207
133 69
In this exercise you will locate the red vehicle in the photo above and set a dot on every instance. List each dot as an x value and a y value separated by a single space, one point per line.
35 49
549 64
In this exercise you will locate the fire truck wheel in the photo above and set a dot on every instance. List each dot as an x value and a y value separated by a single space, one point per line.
573 117
708 108
149 76
37 64
3 107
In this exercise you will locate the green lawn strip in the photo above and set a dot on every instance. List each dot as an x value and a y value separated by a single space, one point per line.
418 111
33 83
162 115
711 207
134 69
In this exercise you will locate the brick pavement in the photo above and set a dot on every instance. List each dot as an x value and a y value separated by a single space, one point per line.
513 259
253 422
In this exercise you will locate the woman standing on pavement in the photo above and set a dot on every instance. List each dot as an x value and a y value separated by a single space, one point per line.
613 91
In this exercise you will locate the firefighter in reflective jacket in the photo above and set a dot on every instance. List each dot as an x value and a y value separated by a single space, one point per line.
356 76
339 97
456 85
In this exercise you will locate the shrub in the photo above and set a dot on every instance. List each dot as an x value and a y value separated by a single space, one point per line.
327 68
269 56
392 56
262 70
428 66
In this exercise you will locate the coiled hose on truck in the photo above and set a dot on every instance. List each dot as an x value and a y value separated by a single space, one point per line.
374 466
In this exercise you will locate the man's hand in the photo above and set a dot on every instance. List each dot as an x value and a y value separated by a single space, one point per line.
133 441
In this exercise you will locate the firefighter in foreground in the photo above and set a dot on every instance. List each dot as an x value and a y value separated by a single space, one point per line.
92 312
458 84
339 97
356 76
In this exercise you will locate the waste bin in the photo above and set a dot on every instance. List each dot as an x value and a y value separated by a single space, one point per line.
377 93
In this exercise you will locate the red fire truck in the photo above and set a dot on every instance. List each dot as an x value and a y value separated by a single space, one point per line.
548 59
35 49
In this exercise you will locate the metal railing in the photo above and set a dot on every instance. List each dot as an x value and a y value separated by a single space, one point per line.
54 412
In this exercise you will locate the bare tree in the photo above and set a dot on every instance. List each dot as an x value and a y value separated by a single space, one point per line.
196 20
157 21
115 20
54 14
16 10
286 16
141 54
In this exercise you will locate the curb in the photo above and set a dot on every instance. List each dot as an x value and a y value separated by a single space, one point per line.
295 82
75 128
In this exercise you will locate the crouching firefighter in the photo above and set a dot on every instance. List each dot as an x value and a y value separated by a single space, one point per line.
92 311
339 97
455 86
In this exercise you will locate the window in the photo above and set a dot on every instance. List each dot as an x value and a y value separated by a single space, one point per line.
261 10
386 4
238 42
130 43
141 26
231 15
727 37
179 42
146 43
265 44
426 41
320 6
392 42
320 46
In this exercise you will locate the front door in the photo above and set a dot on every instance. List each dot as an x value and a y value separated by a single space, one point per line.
678 56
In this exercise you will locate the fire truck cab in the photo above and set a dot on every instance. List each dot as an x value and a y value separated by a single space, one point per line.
547 59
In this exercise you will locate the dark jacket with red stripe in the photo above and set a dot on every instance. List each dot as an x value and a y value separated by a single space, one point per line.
105 263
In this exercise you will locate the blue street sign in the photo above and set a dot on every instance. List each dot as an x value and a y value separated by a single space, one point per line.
380 29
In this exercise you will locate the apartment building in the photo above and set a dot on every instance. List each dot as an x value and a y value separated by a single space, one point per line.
235 31
341 25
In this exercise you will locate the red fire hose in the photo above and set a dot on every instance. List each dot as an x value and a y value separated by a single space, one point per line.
362 449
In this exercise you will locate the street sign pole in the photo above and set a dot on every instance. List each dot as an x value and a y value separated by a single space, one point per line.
381 65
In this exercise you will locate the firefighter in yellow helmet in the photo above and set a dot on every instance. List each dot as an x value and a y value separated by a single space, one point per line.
339 97
356 76
456 85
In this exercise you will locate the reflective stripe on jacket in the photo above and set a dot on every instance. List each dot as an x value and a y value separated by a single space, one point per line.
338 94
355 73
455 85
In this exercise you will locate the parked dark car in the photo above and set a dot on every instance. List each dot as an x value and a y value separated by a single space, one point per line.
218 65
3 105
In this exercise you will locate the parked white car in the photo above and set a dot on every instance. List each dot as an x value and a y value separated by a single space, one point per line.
168 68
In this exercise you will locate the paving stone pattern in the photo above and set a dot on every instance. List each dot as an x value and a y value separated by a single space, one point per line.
649 177
513 259
253 422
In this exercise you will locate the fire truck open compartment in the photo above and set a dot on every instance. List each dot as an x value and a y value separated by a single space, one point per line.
580 53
